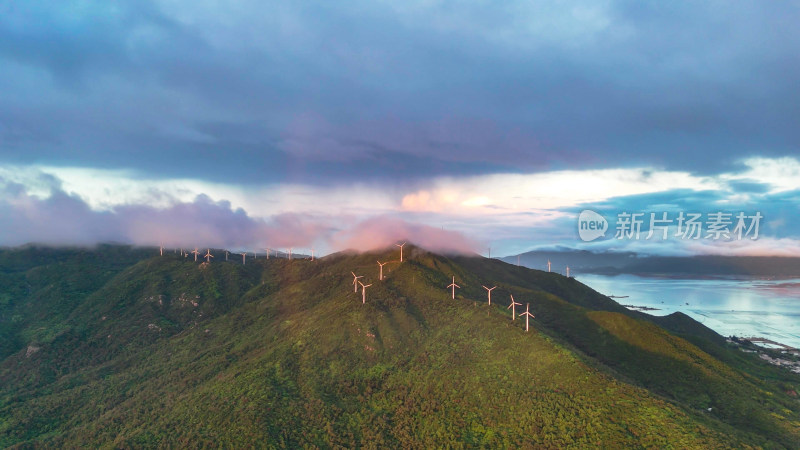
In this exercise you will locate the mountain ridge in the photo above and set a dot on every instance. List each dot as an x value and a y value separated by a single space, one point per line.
289 338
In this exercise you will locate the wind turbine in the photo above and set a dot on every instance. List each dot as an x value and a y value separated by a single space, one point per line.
453 285
161 249
226 255
290 253
489 291
195 254
364 292
244 255
208 255
355 281
548 265
312 253
527 315
267 249
513 307
401 250
381 266
255 254
567 271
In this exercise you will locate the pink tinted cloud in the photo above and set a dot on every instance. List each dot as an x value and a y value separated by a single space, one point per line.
66 219
384 231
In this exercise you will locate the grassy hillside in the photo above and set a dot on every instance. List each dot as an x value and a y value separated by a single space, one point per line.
165 351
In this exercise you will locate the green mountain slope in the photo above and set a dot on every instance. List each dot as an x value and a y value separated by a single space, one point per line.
166 351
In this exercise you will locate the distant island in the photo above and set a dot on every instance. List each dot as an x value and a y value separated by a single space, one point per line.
641 308
614 263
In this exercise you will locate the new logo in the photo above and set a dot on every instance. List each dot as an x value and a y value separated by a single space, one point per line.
591 225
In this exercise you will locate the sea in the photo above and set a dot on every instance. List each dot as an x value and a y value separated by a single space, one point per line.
735 306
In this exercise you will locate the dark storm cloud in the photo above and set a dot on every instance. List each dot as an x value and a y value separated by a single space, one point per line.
328 92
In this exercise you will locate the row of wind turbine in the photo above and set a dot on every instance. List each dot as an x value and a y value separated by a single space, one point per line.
512 306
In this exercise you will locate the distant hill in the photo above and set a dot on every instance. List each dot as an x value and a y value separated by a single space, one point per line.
632 263
580 260
120 347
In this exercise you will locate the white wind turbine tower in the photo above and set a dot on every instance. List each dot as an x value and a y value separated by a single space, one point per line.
364 292
548 265
355 281
453 285
380 264
567 271
208 255
527 315
312 253
513 307
226 255
267 249
195 254
161 249
290 253
244 255
401 250
490 292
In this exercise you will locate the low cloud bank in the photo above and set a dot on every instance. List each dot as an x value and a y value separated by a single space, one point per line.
385 231
66 219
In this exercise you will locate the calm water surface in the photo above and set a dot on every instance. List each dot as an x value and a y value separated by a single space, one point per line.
741 307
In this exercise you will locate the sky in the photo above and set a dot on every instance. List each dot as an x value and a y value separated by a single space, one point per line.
458 125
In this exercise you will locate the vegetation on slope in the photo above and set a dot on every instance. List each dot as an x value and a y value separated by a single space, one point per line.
170 352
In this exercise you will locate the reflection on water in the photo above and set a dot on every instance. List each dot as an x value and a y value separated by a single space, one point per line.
740 307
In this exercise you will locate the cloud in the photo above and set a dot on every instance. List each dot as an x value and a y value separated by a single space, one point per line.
104 189
64 219
509 212
374 90
511 192
764 246
780 174
384 231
